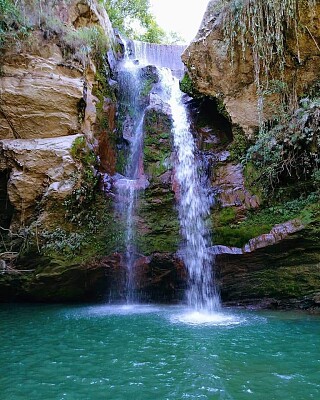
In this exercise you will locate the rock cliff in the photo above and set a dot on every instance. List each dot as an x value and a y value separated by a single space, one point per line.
57 105
230 76
48 92
233 80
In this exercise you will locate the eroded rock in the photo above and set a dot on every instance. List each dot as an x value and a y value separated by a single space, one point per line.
230 188
212 74
39 168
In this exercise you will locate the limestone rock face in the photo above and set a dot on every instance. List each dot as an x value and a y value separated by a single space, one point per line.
213 75
39 95
43 94
38 168
47 98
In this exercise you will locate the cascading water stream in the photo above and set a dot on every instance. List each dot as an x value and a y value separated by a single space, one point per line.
134 180
193 206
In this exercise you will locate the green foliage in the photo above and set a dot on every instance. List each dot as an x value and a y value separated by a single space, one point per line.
134 19
186 86
259 28
230 232
120 10
153 34
61 241
81 152
12 26
128 15
265 21
239 144
17 19
85 182
86 42
289 152
97 235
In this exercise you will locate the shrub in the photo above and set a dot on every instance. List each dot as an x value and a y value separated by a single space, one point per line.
86 42
289 152
12 26
86 181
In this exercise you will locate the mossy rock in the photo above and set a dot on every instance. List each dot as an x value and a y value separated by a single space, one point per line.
157 142
230 230
187 86
159 230
149 76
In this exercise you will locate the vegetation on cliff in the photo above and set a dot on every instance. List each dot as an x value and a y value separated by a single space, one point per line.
271 36
19 19
288 154
261 28
261 55
287 147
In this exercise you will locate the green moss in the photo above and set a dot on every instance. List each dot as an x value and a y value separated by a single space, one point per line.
102 90
102 87
239 145
157 143
252 182
94 232
81 152
226 216
147 86
291 281
187 86
227 231
160 227
238 236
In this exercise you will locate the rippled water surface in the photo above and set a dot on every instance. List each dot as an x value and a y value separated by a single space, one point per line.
156 352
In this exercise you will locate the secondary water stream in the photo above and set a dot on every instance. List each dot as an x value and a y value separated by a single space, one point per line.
134 180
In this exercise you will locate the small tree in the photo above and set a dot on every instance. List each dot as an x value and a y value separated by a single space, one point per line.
134 19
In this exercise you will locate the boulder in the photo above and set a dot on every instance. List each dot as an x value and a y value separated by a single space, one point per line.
38 168
276 270
228 184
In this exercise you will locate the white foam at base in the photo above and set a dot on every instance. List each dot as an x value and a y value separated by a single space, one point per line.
205 318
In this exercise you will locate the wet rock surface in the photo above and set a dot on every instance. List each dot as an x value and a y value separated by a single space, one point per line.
284 274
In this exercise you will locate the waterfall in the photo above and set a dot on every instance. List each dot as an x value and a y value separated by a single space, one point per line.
160 55
193 207
193 202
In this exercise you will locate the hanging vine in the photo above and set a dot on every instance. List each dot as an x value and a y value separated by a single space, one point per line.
260 27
